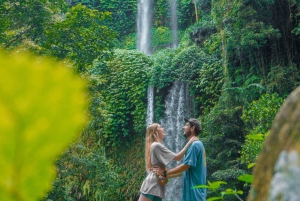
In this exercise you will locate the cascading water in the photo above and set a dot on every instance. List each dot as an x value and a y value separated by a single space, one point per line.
150 106
174 23
177 106
144 17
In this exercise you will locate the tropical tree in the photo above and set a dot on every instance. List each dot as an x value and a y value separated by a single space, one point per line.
25 21
123 14
79 36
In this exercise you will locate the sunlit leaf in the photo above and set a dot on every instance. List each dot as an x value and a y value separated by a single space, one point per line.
211 185
201 186
230 191
248 178
214 198
251 165
240 192
259 137
42 107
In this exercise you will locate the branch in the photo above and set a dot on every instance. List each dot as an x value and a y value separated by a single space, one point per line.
17 37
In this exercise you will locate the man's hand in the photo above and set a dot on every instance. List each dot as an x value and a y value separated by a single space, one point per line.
160 173
157 170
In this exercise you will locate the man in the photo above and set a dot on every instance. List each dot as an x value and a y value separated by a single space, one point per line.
193 169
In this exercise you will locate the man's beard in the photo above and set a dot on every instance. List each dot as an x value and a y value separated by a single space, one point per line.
187 134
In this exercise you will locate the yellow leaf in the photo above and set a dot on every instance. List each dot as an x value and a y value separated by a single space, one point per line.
42 106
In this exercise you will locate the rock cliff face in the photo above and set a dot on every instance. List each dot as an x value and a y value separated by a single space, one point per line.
277 170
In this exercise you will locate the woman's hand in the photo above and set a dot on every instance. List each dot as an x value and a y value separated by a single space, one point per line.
182 152
191 141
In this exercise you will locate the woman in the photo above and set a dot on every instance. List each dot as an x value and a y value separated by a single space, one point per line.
156 154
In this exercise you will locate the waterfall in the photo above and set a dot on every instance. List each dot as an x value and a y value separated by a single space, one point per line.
174 23
178 100
144 17
177 107
150 106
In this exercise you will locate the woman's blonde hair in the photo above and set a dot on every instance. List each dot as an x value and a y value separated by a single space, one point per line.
151 136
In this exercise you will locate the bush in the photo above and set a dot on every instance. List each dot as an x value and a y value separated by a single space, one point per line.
258 118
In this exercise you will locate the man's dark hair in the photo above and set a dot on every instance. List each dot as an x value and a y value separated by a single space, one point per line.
196 123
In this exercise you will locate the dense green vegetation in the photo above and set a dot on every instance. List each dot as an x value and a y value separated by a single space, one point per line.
240 59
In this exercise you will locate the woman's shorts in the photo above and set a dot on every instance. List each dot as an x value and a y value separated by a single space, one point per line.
152 197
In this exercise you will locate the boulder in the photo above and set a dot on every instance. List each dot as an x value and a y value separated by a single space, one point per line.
276 175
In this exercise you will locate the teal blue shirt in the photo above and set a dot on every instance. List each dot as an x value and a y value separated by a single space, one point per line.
195 157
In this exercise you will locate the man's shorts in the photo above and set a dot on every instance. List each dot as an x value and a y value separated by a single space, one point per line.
152 197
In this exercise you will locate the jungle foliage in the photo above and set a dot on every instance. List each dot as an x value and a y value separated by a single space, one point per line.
258 119
124 85
240 59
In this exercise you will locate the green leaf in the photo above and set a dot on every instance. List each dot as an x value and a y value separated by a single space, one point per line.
240 192
42 108
259 137
251 165
211 185
201 186
230 191
248 178
215 185
214 198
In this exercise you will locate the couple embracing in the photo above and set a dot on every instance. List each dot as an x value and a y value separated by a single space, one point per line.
157 156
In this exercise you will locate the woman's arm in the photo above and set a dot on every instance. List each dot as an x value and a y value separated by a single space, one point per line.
182 152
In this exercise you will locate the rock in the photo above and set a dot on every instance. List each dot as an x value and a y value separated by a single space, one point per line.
277 170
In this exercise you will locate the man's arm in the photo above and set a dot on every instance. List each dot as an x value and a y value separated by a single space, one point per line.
175 175
176 171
